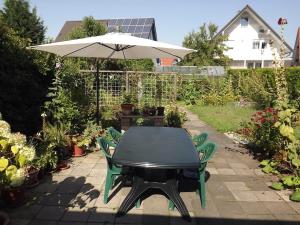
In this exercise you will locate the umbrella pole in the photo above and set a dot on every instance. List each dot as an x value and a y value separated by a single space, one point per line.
97 91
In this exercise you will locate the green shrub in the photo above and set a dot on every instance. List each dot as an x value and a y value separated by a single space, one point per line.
259 86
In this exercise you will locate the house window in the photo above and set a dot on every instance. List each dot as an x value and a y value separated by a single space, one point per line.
255 45
244 21
263 45
257 65
250 65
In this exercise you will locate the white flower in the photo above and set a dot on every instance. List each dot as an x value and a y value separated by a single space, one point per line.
28 152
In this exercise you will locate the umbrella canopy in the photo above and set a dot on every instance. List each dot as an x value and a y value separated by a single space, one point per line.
116 46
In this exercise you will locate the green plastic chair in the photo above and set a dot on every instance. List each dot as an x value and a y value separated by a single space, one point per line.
116 135
112 170
207 152
200 139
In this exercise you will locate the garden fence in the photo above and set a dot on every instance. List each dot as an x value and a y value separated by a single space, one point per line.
146 88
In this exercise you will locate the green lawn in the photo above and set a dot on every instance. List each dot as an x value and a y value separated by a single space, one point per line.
223 118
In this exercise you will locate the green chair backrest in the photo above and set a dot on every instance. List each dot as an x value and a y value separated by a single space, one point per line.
207 152
200 139
104 147
116 135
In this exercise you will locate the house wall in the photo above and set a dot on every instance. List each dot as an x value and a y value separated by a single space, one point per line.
240 43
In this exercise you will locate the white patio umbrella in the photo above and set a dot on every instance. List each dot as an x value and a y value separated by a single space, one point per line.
116 46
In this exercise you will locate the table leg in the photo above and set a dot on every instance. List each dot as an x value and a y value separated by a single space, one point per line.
169 187
137 189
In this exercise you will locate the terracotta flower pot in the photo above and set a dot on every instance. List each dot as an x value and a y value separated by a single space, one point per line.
78 151
14 196
63 165
127 108
32 178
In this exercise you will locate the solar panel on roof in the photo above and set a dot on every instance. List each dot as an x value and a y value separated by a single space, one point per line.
146 29
138 29
131 29
134 22
145 35
119 22
124 29
112 22
126 22
148 21
141 21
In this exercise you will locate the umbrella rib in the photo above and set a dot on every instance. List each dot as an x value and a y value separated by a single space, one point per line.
127 47
167 52
106 46
77 50
111 54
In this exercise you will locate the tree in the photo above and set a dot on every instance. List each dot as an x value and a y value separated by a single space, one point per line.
89 28
17 15
210 48
24 79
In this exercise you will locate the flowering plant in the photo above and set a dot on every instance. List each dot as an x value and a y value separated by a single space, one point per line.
262 132
15 154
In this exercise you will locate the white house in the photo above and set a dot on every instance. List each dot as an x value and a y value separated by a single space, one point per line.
248 41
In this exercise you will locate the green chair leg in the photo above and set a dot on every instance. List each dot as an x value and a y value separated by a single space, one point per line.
113 179
138 204
202 189
108 184
171 205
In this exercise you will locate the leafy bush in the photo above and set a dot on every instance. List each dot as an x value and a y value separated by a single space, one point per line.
15 154
174 118
24 78
262 132
262 80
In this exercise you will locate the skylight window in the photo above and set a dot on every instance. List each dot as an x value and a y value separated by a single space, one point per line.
244 21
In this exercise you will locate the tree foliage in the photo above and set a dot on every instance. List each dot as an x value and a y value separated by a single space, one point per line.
88 28
24 78
210 48
17 15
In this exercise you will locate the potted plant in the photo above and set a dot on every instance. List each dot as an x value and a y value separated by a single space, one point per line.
79 143
127 105
56 139
15 155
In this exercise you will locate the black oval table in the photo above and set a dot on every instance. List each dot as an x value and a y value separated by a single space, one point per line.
155 154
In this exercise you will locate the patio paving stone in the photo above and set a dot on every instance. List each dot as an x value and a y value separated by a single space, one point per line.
236 186
51 213
267 196
43 222
103 215
247 196
19 222
281 208
254 208
226 171
25 212
76 214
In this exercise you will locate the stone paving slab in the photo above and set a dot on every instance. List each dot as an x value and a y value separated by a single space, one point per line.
237 193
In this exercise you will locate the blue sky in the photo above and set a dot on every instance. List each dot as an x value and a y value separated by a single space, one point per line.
174 19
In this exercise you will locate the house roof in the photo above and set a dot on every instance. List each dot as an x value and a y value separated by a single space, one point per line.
248 8
297 47
139 27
